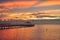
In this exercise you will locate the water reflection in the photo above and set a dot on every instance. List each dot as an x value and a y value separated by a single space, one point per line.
38 32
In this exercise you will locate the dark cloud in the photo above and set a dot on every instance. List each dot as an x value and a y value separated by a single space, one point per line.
31 9
17 0
2 7
5 0
35 8
40 1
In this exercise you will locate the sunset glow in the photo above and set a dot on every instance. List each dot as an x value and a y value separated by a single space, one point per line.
23 10
48 3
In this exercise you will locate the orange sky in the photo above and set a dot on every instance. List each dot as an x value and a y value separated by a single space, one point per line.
25 5
20 4
48 3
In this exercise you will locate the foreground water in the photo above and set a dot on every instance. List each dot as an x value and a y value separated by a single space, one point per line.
37 32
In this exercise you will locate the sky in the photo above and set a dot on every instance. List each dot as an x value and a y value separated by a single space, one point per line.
11 7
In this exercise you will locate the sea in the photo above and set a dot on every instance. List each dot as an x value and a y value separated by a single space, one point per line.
36 32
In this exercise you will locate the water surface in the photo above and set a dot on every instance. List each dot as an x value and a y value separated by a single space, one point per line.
38 32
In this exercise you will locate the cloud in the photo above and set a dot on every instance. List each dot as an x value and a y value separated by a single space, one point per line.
14 6
52 0
15 0
27 4
56 11
54 7
23 4
48 3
